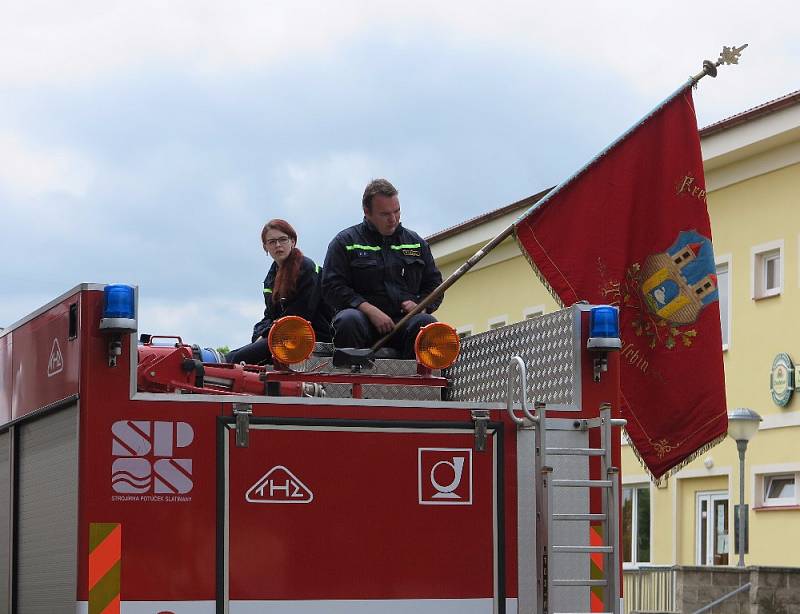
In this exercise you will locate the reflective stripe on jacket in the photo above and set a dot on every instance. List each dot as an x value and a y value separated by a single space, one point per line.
363 265
306 302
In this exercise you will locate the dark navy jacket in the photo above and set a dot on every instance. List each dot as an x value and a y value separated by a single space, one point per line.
363 265
307 302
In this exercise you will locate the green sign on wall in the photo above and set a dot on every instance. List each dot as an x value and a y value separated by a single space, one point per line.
781 379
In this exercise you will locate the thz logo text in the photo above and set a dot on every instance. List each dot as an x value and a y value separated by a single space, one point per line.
145 460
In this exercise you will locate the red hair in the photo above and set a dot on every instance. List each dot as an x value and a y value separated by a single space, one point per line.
286 279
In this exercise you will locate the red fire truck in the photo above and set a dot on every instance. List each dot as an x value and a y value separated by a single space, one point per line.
140 475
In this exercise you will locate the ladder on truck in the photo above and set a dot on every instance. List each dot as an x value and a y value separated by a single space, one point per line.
600 526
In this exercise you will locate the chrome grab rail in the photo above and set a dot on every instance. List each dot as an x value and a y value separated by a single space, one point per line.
516 372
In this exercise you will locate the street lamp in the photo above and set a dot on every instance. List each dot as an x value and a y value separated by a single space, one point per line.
742 427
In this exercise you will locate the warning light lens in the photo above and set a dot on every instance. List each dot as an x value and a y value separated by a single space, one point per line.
437 345
118 301
291 339
604 322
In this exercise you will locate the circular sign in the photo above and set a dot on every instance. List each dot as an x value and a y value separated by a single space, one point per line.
781 379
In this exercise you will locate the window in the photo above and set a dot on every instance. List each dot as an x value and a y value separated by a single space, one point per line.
767 274
771 268
724 288
533 312
778 488
498 322
712 528
636 524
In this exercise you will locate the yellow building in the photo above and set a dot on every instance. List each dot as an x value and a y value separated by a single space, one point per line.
752 166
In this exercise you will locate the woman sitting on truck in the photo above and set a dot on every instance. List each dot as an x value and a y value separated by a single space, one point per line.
291 287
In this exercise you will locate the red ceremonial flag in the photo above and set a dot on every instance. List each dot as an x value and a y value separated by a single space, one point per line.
631 229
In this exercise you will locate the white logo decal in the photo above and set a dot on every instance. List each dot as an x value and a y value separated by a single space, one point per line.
446 492
279 485
445 476
145 462
56 362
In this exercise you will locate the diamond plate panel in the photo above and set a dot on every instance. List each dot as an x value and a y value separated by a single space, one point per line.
320 362
547 344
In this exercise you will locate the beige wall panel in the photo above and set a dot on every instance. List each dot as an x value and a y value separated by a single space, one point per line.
745 215
507 287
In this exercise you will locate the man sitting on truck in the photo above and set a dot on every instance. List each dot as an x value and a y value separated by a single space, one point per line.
376 272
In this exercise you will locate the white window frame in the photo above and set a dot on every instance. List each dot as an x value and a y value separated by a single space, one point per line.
635 563
798 258
532 312
779 501
761 477
497 322
727 261
466 330
711 496
760 255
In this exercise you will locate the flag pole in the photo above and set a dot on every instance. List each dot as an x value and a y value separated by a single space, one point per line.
728 55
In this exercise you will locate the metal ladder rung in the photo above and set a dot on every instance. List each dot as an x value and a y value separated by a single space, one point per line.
579 582
582 483
586 517
589 549
576 451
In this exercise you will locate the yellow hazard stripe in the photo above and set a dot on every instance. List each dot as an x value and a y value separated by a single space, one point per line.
597 564
407 246
105 552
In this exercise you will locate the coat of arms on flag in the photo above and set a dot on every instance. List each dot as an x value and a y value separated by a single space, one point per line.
668 290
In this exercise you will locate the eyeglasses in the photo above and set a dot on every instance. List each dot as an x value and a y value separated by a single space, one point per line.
279 241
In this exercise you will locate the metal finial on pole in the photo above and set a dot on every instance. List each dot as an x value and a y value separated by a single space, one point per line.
729 55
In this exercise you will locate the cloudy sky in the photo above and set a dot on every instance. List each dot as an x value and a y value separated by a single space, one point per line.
147 142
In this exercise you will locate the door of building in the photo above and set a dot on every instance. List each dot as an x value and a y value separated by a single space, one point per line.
712 537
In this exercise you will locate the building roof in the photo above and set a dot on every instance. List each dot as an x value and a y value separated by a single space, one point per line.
520 205
740 118
750 114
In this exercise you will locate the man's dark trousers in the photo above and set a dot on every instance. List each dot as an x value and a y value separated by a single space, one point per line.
354 330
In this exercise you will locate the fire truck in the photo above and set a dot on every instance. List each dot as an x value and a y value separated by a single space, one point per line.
140 474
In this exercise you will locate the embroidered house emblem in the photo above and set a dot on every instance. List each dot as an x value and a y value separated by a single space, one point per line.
660 298
679 283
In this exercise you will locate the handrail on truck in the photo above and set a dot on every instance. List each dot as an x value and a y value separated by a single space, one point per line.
517 372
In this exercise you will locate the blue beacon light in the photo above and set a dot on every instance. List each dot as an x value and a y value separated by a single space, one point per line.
119 317
603 336
118 302
604 327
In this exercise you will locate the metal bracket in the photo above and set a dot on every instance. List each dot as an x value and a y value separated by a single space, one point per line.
481 419
580 425
114 349
242 411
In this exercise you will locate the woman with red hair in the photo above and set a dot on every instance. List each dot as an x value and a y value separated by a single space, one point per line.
292 287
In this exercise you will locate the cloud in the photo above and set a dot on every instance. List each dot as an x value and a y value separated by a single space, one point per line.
55 42
209 323
29 170
147 143
648 44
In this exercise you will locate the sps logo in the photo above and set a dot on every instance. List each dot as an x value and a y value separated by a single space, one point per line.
145 457
445 476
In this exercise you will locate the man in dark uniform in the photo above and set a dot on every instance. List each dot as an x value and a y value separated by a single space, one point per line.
377 271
